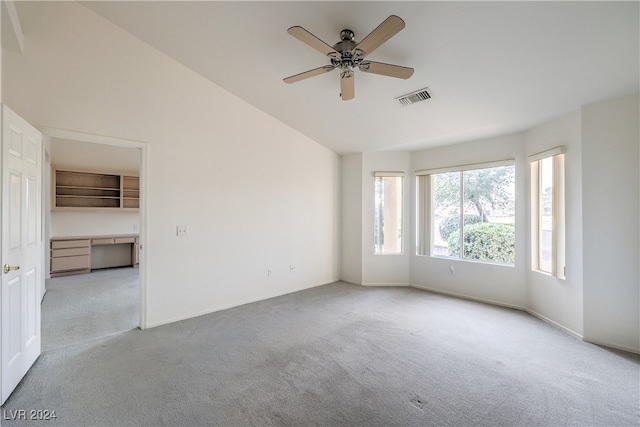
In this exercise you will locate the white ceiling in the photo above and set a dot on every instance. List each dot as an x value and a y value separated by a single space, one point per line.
82 155
492 67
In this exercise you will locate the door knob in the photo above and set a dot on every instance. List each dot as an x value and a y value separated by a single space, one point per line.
8 268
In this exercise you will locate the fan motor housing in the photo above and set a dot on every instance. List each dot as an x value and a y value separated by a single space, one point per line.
345 46
346 43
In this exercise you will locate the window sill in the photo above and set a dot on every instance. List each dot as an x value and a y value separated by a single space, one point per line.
544 273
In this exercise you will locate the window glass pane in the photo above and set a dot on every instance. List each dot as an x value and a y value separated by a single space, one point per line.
388 214
489 214
423 215
545 245
473 214
446 214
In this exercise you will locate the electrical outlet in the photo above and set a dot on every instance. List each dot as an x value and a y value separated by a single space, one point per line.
135 226
269 272
291 268
182 231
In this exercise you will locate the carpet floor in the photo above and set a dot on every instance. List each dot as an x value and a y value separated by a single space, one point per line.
82 307
337 355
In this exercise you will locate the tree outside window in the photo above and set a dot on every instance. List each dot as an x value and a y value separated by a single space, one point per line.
474 214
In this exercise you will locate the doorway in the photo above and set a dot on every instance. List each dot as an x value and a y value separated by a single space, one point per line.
112 297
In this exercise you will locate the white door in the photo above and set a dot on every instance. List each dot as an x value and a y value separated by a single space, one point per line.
21 256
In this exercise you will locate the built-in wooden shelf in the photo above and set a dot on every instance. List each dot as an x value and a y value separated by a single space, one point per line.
130 192
92 190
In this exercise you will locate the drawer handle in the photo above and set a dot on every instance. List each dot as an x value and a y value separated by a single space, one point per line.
8 268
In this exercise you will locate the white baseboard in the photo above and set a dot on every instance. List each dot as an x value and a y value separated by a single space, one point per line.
225 307
400 285
614 346
554 323
421 287
534 314
468 297
350 282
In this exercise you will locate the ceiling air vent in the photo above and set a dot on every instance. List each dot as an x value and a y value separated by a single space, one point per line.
413 97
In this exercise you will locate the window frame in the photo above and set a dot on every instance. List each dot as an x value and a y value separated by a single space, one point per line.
425 208
376 223
558 228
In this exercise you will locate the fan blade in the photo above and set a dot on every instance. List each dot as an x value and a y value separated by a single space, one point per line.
386 69
307 74
389 28
308 38
347 85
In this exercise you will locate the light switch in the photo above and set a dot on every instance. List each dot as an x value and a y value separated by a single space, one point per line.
182 230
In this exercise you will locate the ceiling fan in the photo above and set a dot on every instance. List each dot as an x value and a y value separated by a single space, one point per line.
347 55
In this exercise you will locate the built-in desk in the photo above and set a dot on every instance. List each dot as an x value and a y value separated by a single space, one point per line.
72 254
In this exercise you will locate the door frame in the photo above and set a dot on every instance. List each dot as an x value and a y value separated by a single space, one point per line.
127 143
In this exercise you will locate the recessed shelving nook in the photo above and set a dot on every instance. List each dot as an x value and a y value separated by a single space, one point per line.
130 192
92 190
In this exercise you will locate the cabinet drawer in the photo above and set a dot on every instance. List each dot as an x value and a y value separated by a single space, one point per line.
61 244
70 263
107 241
57 253
125 239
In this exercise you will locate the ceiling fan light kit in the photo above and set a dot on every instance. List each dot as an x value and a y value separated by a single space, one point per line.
348 55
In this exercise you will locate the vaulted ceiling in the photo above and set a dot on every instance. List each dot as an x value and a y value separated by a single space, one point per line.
492 67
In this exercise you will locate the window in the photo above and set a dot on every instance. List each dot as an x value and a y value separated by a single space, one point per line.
388 212
467 212
547 212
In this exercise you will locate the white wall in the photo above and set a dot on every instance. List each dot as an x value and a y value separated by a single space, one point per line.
351 195
556 300
92 223
600 298
255 194
484 281
360 265
611 212
384 269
